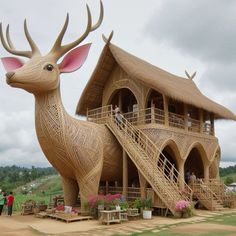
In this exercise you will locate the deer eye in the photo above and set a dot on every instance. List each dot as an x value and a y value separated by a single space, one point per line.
48 67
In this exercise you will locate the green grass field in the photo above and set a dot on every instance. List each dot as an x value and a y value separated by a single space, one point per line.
47 187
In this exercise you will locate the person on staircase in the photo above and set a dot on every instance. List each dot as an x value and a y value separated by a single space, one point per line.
119 118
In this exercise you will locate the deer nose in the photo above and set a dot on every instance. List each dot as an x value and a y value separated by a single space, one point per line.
9 74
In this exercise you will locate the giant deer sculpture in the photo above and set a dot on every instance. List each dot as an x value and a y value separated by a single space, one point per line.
79 150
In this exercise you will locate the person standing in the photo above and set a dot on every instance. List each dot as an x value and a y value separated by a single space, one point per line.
10 201
187 176
192 178
2 201
117 109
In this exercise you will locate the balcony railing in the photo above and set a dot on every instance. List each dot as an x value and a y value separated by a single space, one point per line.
153 116
176 120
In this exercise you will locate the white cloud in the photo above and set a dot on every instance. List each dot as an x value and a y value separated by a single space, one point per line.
18 144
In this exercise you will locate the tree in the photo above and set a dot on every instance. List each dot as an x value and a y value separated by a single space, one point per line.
229 180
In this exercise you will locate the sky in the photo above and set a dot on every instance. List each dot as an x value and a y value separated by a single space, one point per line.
173 35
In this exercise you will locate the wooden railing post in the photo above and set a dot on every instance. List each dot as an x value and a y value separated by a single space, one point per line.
186 117
181 175
153 113
125 173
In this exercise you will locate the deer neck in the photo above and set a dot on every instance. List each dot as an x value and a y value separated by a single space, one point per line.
50 117
52 122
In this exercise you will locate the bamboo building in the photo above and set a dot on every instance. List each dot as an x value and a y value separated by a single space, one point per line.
168 129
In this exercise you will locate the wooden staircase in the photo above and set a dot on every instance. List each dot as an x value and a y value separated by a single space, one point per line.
158 171
226 196
209 199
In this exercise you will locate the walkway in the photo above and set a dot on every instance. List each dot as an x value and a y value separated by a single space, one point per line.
31 226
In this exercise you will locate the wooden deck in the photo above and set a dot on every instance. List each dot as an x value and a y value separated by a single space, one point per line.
67 217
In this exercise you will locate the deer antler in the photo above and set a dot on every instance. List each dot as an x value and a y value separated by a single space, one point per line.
58 50
10 47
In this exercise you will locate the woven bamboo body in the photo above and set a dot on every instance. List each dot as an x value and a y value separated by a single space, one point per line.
79 150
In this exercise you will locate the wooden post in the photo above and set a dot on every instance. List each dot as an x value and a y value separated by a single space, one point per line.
125 174
212 124
153 113
87 114
186 117
206 172
201 120
166 110
181 175
107 187
142 183
120 101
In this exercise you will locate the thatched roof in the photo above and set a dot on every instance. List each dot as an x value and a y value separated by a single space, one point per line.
173 86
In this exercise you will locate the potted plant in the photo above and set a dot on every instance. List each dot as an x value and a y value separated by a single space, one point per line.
185 208
147 210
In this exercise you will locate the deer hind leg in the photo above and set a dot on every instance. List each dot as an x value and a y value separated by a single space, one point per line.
71 190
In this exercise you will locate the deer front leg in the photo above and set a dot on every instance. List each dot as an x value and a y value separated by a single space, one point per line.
71 190
89 185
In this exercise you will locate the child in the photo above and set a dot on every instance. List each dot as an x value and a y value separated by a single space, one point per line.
10 201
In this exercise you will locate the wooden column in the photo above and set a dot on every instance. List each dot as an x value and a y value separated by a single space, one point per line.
201 120
125 174
152 113
142 182
181 175
212 123
120 101
206 172
107 187
166 110
186 117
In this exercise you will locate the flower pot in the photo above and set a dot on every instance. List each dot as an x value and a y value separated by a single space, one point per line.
118 208
147 214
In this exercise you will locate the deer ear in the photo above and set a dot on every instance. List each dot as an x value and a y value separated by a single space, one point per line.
74 59
11 63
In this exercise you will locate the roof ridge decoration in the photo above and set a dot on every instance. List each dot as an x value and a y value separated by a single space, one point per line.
192 76
107 40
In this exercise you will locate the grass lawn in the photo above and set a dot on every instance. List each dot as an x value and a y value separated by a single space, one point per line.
48 186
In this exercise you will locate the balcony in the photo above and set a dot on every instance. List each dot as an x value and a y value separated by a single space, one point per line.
157 116
154 116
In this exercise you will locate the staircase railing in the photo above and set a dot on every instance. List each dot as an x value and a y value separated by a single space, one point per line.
158 170
205 195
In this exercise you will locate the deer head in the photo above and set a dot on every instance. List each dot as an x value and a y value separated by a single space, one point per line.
41 73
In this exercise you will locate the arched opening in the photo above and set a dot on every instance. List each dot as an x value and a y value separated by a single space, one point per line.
176 114
175 107
154 112
169 154
133 177
155 99
194 163
125 99
193 112
208 119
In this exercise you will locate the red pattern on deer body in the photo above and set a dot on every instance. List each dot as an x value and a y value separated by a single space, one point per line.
77 149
